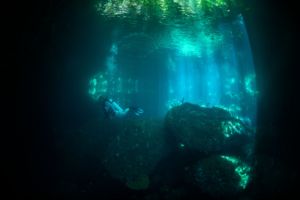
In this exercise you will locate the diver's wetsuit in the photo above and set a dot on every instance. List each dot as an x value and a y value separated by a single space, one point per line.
112 109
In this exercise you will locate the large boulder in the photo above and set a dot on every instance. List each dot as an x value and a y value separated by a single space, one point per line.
221 176
134 152
207 130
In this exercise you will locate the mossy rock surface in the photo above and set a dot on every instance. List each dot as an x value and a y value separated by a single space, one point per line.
216 177
134 152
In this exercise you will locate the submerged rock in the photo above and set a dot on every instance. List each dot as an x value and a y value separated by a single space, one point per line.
221 176
139 183
134 152
207 130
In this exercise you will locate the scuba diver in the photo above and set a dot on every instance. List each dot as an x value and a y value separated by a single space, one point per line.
114 110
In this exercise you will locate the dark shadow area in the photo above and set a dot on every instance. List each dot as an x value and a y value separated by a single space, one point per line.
273 36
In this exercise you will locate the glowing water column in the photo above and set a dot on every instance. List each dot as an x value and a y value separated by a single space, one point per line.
212 64
105 83
214 69
110 82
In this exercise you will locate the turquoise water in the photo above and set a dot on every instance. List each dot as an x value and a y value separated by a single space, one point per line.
183 88
158 70
192 73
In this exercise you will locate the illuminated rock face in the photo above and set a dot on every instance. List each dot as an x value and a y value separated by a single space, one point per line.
213 139
221 176
207 130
